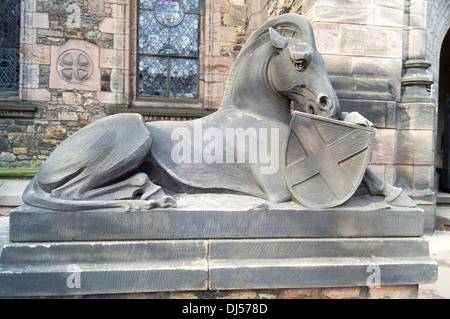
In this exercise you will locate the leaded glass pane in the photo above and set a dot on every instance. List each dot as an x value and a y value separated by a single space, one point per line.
9 44
181 36
152 76
9 22
147 4
168 28
183 78
152 37
190 6
9 68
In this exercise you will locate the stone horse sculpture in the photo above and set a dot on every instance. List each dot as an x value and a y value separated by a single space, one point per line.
121 161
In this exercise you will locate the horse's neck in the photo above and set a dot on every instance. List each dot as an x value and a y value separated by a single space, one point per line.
249 88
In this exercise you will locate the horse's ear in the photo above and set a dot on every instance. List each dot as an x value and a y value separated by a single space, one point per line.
278 41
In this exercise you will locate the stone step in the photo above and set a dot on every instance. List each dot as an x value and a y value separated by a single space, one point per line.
103 278
166 250
182 276
31 269
320 272
443 217
189 275
11 191
317 248
103 252
4 232
442 198
102 267
442 211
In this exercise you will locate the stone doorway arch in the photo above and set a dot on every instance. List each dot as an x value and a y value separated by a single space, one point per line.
437 32
443 119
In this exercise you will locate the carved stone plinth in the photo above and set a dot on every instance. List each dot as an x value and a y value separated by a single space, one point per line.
218 216
241 243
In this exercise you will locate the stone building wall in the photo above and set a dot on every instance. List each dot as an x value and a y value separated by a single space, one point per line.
62 108
103 34
224 37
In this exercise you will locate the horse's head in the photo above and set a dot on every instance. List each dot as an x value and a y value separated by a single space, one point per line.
298 72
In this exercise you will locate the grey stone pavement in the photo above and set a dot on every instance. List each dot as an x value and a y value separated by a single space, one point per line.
440 252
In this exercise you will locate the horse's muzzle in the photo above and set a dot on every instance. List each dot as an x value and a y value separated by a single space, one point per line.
323 102
322 106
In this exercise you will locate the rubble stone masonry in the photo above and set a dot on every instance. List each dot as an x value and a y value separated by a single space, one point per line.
78 61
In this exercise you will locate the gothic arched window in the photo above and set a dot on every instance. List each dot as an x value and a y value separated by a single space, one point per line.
9 44
168 48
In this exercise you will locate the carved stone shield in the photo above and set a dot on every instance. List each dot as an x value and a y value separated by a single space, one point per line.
325 159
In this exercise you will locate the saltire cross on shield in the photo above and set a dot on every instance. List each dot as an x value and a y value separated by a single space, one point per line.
325 159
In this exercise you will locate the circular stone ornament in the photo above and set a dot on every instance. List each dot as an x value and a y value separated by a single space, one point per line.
74 66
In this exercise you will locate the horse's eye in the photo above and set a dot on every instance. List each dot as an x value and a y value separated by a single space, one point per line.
300 65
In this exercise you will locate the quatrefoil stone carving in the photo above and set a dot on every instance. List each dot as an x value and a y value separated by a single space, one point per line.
74 66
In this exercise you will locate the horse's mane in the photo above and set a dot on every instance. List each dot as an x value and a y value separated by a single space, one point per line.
288 25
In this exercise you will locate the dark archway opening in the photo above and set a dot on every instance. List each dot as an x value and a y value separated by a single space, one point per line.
443 129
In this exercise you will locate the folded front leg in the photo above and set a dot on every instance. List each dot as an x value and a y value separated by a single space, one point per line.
394 196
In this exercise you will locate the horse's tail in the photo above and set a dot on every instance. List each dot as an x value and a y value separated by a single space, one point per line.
35 196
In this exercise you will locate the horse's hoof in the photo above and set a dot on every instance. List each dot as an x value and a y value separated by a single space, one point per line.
136 205
167 201
402 200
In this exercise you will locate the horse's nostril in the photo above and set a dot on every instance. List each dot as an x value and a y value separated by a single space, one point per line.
324 102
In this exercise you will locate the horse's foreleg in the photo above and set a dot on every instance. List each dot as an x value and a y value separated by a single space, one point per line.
36 197
394 196
137 186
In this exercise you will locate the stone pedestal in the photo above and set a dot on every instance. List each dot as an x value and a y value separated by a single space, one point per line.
214 242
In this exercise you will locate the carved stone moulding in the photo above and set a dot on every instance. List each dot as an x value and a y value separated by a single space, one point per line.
415 81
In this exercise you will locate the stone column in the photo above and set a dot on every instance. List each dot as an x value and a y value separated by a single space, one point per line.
415 116
116 60
34 56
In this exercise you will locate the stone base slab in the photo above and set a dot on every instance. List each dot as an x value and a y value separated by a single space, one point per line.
226 216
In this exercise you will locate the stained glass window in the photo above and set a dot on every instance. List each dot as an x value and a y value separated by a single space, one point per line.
168 48
9 44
